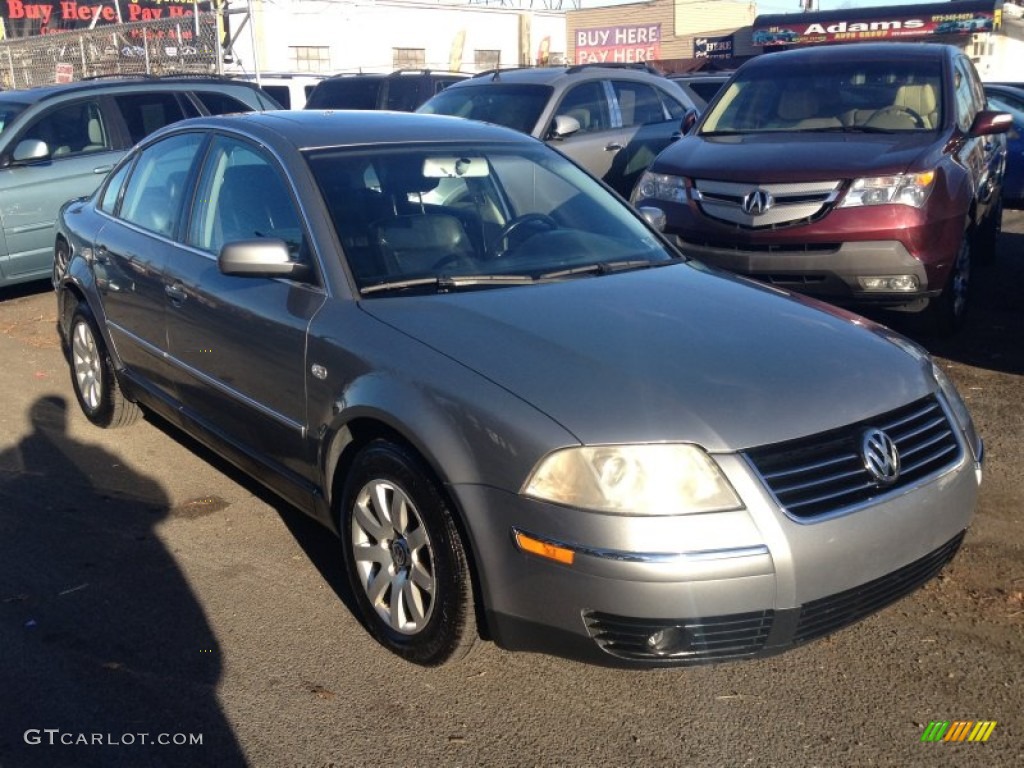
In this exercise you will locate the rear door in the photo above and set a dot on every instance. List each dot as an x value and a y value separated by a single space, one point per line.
82 151
145 203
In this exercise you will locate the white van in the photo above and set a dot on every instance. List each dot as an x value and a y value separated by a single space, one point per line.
289 89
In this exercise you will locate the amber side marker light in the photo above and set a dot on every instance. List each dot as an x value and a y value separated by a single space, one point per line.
543 549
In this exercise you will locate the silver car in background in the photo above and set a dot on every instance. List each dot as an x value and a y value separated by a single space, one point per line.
524 414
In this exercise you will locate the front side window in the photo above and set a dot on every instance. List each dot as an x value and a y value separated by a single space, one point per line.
112 191
588 104
243 196
72 129
156 190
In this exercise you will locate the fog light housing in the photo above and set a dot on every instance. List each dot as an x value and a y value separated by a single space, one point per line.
890 283
669 641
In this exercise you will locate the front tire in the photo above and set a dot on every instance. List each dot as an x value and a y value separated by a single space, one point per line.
92 375
405 559
947 314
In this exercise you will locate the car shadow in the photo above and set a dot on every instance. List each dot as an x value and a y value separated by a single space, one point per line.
106 650
993 335
320 545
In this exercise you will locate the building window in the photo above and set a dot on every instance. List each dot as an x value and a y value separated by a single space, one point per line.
310 58
484 60
409 58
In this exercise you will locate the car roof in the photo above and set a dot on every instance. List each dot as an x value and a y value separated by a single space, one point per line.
555 75
854 52
397 73
143 82
315 128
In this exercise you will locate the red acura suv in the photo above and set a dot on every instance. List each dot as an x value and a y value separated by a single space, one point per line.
863 174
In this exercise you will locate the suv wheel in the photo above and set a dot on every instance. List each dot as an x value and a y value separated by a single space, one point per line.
947 313
405 558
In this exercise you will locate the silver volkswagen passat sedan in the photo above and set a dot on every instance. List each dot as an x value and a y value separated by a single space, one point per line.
525 416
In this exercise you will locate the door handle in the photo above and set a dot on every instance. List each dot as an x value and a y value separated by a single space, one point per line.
102 169
613 147
176 292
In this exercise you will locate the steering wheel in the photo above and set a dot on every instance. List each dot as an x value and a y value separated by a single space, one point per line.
898 109
517 224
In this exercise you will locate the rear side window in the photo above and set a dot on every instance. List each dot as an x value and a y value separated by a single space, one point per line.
280 93
638 103
346 93
146 112
152 199
217 103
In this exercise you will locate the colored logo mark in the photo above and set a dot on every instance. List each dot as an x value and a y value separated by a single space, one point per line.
958 730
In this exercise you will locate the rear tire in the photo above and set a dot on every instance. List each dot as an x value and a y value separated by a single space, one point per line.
405 559
92 375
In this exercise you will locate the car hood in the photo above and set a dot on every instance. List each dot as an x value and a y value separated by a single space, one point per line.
769 157
677 353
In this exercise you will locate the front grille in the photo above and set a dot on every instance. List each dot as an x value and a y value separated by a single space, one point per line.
820 617
826 473
694 641
787 204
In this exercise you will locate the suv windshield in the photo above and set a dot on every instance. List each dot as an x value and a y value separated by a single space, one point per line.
514 106
483 215
843 95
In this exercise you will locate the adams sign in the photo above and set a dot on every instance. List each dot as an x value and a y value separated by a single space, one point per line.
954 18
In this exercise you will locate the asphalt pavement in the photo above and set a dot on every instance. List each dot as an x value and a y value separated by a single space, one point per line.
157 608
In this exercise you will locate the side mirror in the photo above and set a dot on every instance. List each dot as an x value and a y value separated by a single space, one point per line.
689 120
564 126
29 150
653 216
265 257
988 122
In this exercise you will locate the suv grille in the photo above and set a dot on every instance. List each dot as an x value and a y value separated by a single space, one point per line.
826 473
715 638
783 204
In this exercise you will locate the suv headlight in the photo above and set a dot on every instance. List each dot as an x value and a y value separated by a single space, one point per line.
910 189
659 186
633 480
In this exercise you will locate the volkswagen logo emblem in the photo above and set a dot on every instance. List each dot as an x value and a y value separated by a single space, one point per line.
881 459
757 202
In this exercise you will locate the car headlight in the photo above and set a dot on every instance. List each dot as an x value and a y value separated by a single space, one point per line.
910 189
672 479
659 186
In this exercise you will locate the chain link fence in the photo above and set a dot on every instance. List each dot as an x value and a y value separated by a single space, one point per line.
177 45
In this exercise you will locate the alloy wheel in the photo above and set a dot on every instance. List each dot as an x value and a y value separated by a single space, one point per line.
88 365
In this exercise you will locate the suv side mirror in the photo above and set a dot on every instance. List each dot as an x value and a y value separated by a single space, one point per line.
689 120
988 122
564 126
29 150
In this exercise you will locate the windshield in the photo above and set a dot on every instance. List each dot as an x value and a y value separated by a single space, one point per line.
519 213
843 95
514 106
9 110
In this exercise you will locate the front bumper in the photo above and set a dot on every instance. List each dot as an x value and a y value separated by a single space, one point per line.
695 589
829 273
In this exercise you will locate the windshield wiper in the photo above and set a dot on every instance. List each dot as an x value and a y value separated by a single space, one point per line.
444 283
604 268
